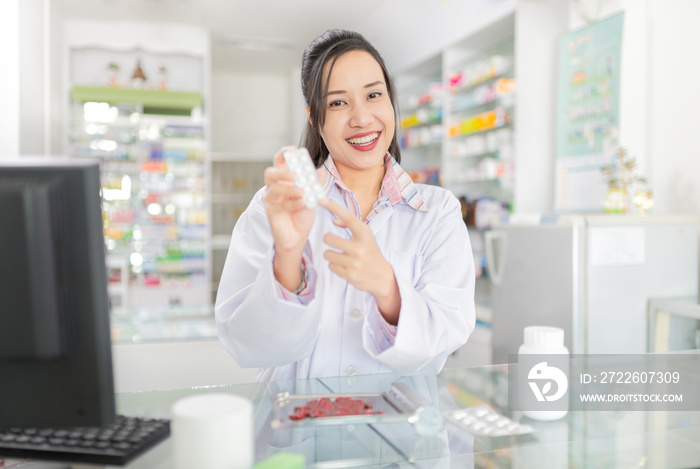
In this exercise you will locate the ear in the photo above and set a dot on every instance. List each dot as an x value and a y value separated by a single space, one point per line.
308 114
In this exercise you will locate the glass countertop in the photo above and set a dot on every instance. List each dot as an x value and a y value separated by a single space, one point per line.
580 440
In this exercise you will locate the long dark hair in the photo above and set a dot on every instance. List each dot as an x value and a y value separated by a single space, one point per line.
329 46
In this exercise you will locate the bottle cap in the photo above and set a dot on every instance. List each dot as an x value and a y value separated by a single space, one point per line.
543 336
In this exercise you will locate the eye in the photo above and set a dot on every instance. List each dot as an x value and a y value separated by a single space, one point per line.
335 103
374 94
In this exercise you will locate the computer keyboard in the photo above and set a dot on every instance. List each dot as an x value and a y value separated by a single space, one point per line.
116 444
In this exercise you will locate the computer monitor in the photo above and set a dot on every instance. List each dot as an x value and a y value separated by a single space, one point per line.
55 349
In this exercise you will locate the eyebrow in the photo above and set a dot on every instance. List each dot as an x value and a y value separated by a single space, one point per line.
369 85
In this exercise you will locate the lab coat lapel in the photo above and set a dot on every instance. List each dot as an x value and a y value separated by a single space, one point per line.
379 220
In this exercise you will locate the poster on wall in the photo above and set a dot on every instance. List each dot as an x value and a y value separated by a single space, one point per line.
588 113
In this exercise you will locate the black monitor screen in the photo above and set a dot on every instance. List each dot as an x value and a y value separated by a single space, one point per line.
55 350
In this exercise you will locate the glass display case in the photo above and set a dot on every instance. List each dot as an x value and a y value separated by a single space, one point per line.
582 439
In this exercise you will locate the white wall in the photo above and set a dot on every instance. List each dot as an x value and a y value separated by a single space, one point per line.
674 116
298 117
9 78
28 86
250 113
538 26
56 108
407 33
32 74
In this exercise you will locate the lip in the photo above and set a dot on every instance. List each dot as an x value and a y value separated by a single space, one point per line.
364 134
369 147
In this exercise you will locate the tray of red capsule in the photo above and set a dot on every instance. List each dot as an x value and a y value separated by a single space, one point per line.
336 407
331 409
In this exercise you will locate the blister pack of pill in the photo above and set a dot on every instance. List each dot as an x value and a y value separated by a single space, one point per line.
300 162
484 421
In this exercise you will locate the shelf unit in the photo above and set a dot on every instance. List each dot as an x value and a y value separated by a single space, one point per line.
152 148
457 119
421 132
478 154
138 106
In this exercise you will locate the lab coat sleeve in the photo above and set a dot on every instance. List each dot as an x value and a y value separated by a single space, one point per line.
437 313
257 326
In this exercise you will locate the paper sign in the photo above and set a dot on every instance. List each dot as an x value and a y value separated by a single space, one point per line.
616 246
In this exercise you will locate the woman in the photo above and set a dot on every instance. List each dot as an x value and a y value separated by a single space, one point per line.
379 278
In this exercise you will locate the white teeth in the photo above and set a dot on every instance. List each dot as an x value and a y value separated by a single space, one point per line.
363 140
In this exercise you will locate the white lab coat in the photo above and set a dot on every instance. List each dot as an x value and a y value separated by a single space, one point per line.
338 332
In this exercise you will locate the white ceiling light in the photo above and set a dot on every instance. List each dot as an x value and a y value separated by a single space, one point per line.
257 43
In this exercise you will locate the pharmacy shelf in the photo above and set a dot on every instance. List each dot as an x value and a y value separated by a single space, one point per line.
457 111
154 179
421 132
478 119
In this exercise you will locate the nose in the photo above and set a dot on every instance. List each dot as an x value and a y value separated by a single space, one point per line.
361 115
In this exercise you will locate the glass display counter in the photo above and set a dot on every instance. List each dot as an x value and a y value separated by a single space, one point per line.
580 440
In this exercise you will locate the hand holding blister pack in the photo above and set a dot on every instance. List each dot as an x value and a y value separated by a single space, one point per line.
299 161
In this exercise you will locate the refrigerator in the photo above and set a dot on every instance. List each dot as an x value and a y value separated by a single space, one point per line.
591 275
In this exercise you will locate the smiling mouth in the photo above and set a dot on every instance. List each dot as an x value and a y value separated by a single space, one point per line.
363 141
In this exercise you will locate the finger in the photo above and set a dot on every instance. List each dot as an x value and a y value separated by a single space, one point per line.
346 216
274 174
339 270
281 191
279 156
338 243
289 205
337 258
339 222
342 260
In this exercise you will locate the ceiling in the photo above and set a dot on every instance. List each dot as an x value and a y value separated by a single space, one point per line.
294 22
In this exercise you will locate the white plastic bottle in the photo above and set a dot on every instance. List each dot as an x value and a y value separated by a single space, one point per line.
544 340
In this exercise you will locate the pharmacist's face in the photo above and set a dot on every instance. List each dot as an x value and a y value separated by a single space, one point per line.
359 118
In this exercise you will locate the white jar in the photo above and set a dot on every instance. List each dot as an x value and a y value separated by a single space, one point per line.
544 340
